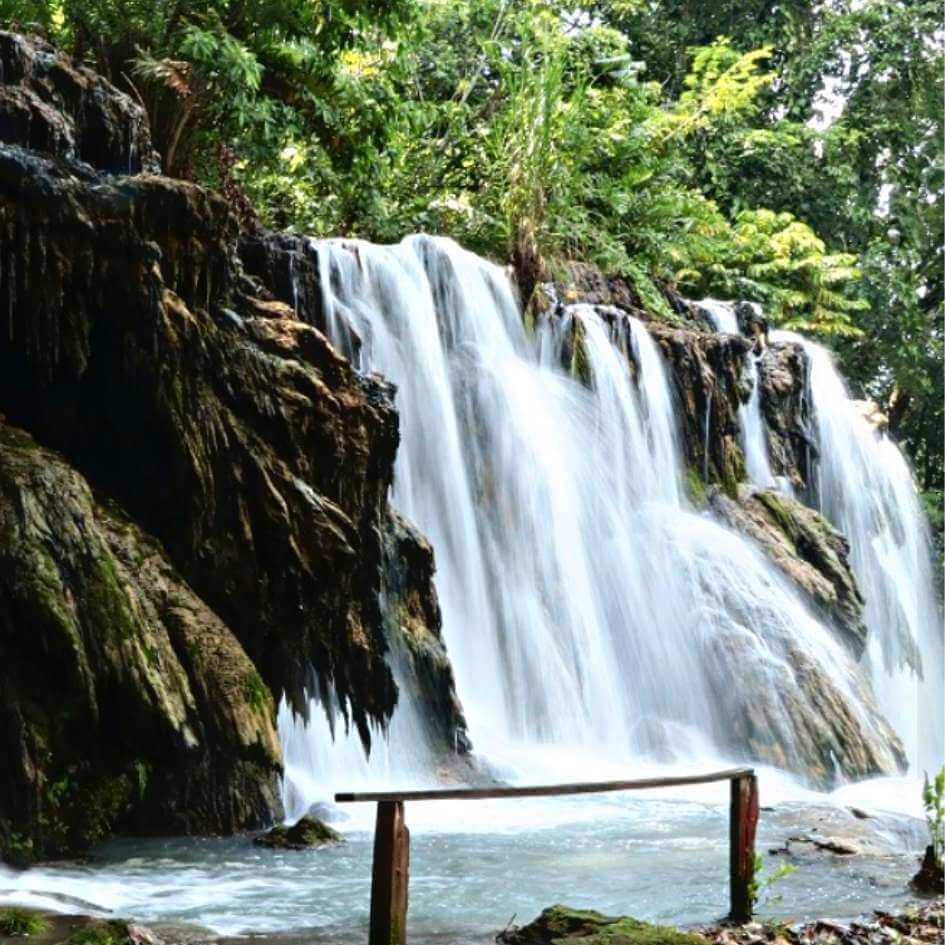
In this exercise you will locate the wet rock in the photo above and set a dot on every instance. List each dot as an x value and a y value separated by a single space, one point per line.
133 342
752 323
252 450
287 269
302 835
806 548
560 925
51 104
128 698
414 623
784 402
707 370
806 720
826 844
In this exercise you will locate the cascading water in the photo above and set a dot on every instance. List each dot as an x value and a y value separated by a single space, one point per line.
754 438
585 604
864 486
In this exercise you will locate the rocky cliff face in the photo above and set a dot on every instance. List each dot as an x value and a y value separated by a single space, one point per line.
126 702
136 345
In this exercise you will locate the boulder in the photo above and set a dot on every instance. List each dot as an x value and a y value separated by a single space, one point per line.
303 835
560 925
806 548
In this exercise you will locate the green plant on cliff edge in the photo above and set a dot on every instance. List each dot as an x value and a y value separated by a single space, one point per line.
21 922
933 799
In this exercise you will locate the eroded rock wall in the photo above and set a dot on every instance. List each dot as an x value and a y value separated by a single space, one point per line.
126 703
135 344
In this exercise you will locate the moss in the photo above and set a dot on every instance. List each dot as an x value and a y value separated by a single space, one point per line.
15 438
46 585
102 805
539 302
15 921
778 512
580 366
256 692
733 473
19 850
107 599
560 925
695 485
80 811
101 933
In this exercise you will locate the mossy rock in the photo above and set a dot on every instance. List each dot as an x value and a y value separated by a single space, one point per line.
559 925
101 933
308 832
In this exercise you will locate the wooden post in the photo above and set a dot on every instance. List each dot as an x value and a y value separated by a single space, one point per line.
742 825
391 872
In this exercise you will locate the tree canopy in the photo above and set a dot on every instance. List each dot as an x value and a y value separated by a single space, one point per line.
779 150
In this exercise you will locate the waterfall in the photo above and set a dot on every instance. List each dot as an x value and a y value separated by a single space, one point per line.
721 315
585 604
865 487
754 437
753 432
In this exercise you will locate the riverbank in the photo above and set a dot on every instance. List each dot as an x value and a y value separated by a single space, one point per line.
559 925
921 922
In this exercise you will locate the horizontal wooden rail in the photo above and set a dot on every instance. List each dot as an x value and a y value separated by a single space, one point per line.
391 867
543 790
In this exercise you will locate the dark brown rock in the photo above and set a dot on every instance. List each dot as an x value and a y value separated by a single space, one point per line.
122 691
51 104
784 403
707 373
133 342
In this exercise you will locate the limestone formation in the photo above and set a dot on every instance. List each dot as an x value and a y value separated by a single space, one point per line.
219 419
126 702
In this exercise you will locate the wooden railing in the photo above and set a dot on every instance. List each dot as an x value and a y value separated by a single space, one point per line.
391 868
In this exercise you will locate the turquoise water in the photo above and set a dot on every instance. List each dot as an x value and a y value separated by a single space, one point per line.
477 866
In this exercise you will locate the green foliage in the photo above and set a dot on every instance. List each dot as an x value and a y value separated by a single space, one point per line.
100 933
759 889
15 921
792 154
933 799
